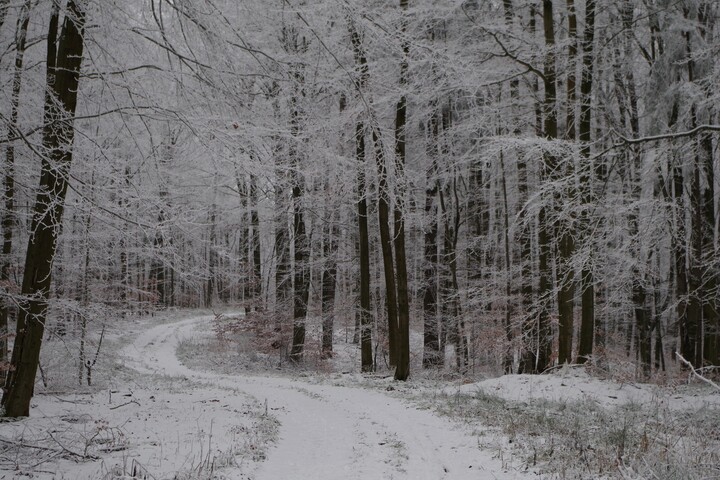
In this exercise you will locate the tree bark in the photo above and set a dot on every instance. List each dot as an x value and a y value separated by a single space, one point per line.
402 372
386 244
508 357
366 318
550 131
528 355
328 285
432 356
63 72
301 283
8 215
212 259
256 280
587 285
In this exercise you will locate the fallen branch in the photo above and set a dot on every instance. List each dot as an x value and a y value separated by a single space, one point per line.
26 445
700 377
47 449
125 404
70 452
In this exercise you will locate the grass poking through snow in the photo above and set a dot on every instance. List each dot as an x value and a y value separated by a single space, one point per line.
581 439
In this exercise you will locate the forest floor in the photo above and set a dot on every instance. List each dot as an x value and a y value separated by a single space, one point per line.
171 401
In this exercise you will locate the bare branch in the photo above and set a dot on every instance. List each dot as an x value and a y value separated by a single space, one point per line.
700 377
667 136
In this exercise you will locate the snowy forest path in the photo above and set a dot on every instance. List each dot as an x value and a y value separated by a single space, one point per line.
333 432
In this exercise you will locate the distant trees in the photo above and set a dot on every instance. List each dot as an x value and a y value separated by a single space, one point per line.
531 183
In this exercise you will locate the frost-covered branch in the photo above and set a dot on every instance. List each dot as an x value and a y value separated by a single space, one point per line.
669 136
700 377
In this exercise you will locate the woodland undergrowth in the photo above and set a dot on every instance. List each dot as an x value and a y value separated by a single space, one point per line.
583 440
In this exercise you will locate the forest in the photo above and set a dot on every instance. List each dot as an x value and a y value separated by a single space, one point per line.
520 184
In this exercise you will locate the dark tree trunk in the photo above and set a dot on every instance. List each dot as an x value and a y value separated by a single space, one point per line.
432 356
63 72
571 69
386 243
696 289
212 261
402 372
366 320
566 242
566 295
283 282
450 293
449 288
8 215
642 323
328 285
244 243
711 312
158 270
528 355
508 357
256 280
301 283
587 282
525 283
687 329
543 333
366 317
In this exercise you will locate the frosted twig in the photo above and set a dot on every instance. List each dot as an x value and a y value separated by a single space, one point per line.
70 452
125 404
692 369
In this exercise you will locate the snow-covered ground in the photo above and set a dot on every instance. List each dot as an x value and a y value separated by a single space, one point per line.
171 421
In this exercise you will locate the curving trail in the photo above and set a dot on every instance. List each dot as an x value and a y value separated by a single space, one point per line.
330 432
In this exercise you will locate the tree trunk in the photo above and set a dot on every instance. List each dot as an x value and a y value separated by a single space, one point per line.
566 247
432 356
328 285
386 242
211 286
508 357
451 292
8 215
550 131
283 282
256 280
711 311
528 356
571 69
587 309
244 243
403 329
366 318
63 72
301 283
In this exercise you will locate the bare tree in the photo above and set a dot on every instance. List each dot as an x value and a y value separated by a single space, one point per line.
64 57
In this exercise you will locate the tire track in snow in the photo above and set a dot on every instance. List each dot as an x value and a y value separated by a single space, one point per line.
331 432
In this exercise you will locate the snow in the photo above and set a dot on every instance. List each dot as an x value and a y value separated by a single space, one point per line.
171 421
575 385
334 431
